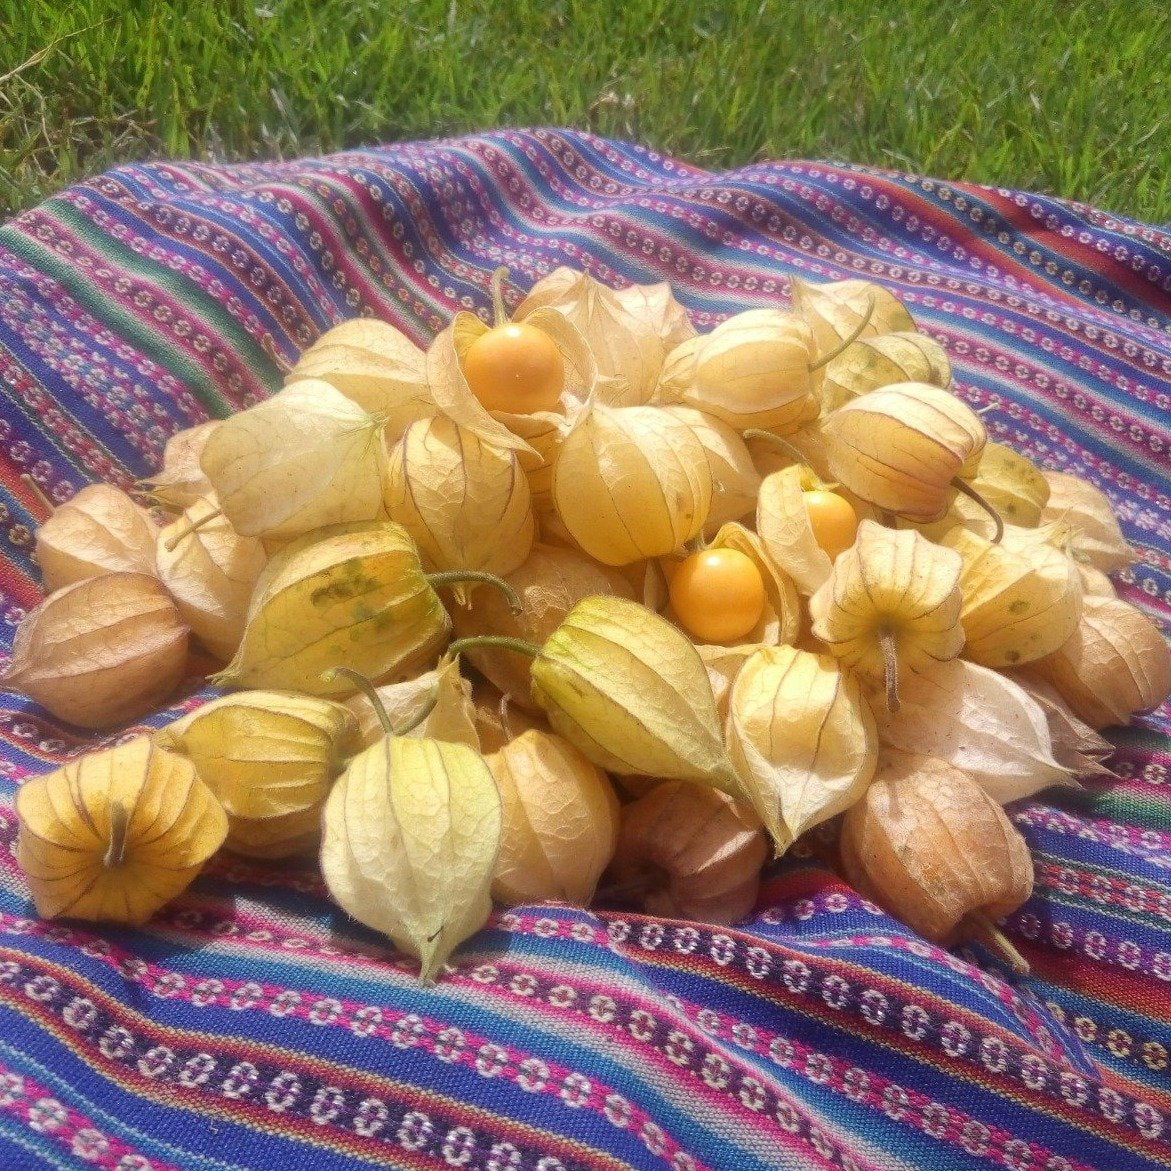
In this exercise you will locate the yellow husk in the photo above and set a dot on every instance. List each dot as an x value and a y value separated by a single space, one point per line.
181 482
782 521
873 362
1087 511
835 309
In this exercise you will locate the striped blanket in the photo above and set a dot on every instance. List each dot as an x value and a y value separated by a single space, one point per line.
252 1025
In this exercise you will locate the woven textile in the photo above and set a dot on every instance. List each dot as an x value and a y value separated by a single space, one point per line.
252 1025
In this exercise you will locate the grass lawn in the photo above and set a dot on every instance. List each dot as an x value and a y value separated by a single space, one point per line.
1068 99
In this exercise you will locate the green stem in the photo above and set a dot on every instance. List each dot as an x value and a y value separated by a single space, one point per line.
499 313
119 822
455 576
985 929
849 341
371 693
967 489
890 669
774 440
499 641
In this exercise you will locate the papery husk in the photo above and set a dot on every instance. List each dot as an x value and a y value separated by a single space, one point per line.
735 482
929 845
632 483
72 821
1012 484
686 852
305 458
351 595
265 754
559 822
374 365
100 652
1015 608
436 705
901 447
410 836
677 377
210 571
1115 664
979 721
656 307
101 530
873 362
549 583
1075 745
499 720
755 370
805 445
834 310
181 482
465 502
1088 512
896 582
628 343
782 521
723 665
290 836
1095 584
630 691
802 738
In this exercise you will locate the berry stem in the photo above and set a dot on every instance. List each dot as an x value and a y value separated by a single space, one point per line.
371 693
847 342
774 440
499 313
890 668
989 933
119 822
967 489
172 542
38 492
455 576
499 641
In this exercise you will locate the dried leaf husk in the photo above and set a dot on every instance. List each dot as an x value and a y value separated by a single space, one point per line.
655 306
901 446
410 836
802 738
374 365
980 722
687 852
1095 584
305 458
550 583
101 530
465 502
559 821
835 309
632 483
630 691
100 652
181 482
1115 664
933 848
782 521
1087 511
894 584
806 445
1015 608
210 571
873 362
498 719
1075 745
289 836
1012 484
115 834
677 377
723 665
351 595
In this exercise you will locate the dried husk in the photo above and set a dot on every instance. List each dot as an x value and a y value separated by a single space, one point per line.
686 852
890 583
677 377
1115 664
806 445
498 719
210 571
291 836
465 502
351 595
100 652
559 822
928 844
723 665
632 483
655 306
782 521
115 834
305 458
374 365
410 836
630 691
901 446
1076 745
802 738
834 310
101 530
1012 484
181 482
1095 584
1088 512
550 583
873 362
1015 608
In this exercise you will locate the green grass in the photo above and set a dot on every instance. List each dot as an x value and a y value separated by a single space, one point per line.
1071 100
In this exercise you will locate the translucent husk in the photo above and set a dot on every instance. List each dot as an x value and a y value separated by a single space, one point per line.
101 530
181 482
1015 608
928 844
656 308
902 447
210 571
498 720
686 852
290 836
559 821
305 458
802 738
1116 663
834 310
465 502
873 362
374 365
805 445
352 594
115 834
723 665
100 652
1012 484
782 520
1075 745
632 483
1088 512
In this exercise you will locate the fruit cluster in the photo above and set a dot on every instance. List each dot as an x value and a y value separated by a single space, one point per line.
715 589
